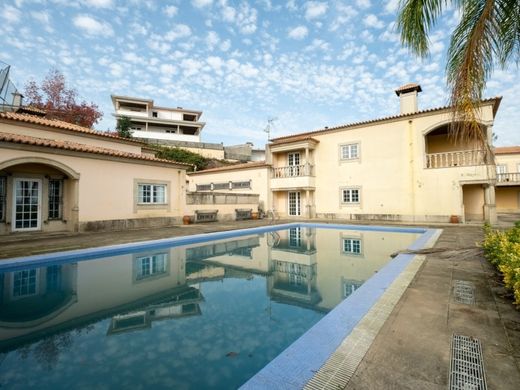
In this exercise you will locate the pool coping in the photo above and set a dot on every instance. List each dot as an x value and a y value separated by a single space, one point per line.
301 361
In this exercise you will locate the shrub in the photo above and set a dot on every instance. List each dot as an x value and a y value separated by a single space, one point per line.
502 249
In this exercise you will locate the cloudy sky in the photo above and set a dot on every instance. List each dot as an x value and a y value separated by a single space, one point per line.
309 64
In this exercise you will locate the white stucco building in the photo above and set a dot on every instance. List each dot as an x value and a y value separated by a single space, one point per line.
158 123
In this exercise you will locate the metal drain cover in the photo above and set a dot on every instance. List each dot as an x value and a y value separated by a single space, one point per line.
464 292
467 364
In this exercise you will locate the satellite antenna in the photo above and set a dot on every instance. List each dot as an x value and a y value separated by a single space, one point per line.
269 127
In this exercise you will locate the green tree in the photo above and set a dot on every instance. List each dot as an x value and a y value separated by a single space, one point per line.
488 34
123 127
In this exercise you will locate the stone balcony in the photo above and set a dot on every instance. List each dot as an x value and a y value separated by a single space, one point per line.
293 177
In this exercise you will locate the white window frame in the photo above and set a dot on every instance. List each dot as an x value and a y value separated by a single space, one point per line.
40 197
140 196
501 168
350 201
154 260
349 148
297 203
36 284
352 241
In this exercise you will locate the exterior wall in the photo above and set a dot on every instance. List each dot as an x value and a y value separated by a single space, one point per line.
68 135
107 189
259 177
511 161
205 152
165 136
508 199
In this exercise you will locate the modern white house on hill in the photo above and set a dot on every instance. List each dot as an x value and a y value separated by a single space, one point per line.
158 123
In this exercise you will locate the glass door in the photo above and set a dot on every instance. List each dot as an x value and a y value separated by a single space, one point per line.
294 164
294 204
27 204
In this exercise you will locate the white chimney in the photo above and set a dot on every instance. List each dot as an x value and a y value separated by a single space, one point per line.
408 97
17 99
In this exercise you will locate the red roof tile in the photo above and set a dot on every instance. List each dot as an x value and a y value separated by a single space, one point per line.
256 164
77 147
286 138
62 125
507 150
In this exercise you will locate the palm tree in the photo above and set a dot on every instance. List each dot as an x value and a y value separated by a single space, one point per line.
488 34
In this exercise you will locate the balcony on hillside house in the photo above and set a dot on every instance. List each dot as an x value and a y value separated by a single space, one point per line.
293 165
444 152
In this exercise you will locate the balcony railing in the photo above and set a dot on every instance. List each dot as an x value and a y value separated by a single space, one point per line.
293 171
508 177
463 158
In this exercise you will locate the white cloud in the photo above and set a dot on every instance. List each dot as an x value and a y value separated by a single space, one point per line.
246 19
364 4
212 39
372 21
92 27
98 3
132 57
391 6
315 9
201 3
299 32
11 14
226 45
179 31
343 14
170 10
191 66
228 14
168 69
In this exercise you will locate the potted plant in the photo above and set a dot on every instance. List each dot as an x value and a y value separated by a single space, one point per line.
186 220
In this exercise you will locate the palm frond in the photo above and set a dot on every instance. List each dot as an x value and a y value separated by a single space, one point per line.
414 21
508 16
470 62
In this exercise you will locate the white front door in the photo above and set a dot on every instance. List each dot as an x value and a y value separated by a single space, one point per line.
294 203
27 200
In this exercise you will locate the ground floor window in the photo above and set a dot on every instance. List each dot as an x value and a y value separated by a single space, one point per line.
151 194
3 197
55 199
352 246
24 283
148 266
350 195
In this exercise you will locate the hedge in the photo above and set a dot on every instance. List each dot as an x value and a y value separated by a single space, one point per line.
502 249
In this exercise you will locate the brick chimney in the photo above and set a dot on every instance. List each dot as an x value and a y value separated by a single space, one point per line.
408 97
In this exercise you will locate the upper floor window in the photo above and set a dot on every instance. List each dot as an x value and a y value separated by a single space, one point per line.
55 199
151 193
502 168
3 197
350 195
154 114
349 151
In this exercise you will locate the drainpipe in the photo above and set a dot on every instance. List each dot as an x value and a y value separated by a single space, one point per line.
412 166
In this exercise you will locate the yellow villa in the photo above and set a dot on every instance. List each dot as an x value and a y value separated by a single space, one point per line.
55 176
508 179
399 168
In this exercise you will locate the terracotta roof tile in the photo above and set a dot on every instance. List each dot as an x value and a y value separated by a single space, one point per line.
408 87
507 150
62 125
294 139
256 164
309 134
77 147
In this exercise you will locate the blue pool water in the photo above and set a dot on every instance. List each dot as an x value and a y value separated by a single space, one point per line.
209 314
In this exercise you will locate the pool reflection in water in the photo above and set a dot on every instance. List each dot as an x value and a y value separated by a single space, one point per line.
208 315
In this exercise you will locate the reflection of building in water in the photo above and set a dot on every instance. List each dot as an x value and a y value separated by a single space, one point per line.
181 304
248 253
52 299
294 267
33 296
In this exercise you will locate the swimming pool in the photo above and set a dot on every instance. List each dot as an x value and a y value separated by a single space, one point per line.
185 312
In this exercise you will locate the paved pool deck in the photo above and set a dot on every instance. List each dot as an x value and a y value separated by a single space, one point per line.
412 349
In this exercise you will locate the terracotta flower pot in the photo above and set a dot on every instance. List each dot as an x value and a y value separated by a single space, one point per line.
454 219
186 220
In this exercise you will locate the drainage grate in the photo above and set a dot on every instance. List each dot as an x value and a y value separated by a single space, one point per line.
467 364
464 292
